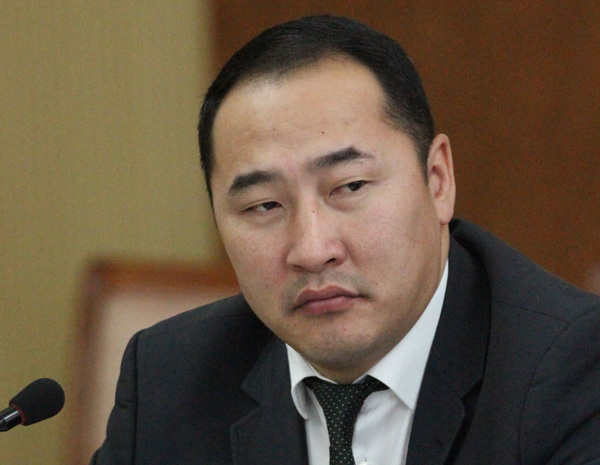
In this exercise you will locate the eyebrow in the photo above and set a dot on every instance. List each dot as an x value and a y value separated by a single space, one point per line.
244 181
338 157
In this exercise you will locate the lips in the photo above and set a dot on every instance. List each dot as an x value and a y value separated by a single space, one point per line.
325 300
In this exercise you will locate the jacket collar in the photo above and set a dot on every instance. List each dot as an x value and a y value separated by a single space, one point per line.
456 363
273 433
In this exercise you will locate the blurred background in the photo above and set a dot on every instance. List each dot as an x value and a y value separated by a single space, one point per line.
98 153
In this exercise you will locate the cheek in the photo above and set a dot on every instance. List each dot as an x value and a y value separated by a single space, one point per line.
379 230
391 237
256 259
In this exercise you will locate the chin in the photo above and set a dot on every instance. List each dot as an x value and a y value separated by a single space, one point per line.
341 354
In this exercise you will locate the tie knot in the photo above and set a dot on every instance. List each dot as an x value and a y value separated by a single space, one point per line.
341 404
349 392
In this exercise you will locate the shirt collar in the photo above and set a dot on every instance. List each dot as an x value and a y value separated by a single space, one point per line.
401 369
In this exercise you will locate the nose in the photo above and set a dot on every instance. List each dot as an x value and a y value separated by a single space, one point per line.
315 243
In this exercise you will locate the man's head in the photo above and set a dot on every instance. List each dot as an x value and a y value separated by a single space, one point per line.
336 237
287 47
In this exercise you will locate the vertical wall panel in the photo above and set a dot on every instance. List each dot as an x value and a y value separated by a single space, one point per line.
515 86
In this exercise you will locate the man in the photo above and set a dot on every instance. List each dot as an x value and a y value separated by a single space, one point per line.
334 201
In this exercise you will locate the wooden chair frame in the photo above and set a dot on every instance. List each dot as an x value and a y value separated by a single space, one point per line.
120 297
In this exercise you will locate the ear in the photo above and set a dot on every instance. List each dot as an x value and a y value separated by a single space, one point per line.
440 172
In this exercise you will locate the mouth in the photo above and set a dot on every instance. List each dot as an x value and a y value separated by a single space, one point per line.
326 300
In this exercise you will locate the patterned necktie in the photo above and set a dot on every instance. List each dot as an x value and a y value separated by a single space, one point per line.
341 404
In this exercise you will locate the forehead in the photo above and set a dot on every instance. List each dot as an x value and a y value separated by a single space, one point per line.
332 92
282 123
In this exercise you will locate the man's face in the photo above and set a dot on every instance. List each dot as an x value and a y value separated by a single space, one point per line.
337 241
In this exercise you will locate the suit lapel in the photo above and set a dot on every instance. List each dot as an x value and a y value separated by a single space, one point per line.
273 433
455 366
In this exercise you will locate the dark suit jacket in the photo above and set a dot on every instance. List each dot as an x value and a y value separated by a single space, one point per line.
513 377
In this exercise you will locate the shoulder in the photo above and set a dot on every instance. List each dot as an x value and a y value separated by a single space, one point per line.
517 282
223 327
230 308
181 383
543 351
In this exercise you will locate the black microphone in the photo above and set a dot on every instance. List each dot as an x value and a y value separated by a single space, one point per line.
40 400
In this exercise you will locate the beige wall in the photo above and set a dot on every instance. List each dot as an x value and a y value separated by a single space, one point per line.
98 156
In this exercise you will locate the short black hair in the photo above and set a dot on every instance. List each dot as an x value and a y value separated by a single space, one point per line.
287 47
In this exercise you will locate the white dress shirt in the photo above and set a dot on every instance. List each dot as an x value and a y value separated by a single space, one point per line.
383 425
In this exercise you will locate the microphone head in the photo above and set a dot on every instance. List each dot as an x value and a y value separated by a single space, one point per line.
38 401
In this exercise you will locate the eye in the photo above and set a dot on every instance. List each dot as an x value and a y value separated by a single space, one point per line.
355 185
262 207
350 187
